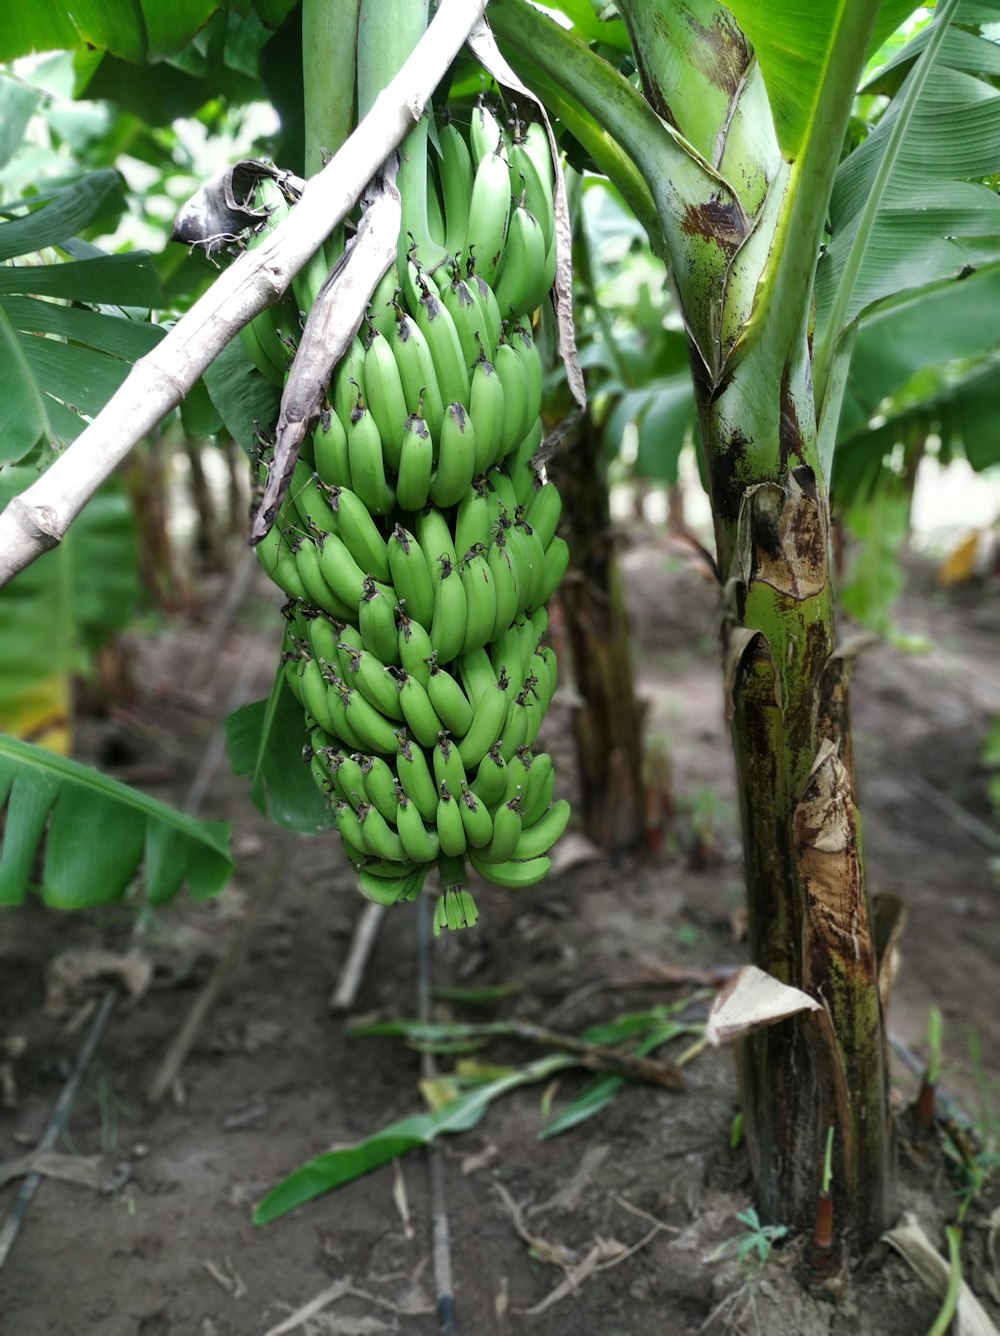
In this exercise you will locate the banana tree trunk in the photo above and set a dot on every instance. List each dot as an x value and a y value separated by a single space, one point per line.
607 722
740 226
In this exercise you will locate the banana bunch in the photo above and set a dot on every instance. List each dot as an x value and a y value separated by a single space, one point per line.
418 545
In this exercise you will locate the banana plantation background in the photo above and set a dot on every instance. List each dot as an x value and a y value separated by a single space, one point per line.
235 1096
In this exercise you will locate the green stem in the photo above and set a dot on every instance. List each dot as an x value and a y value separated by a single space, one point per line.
451 871
942 1323
786 290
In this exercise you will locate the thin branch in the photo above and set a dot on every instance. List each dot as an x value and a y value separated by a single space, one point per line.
366 931
38 519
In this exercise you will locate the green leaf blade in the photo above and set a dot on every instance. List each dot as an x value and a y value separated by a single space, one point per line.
97 832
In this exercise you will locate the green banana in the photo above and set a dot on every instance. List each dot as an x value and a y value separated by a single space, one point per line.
511 875
518 769
385 398
307 561
324 635
381 310
364 446
278 561
370 725
515 728
377 622
378 835
310 500
541 785
476 819
330 453
489 209
491 311
472 520
315 697
455 909
435 540
456 184
349 826
348 383
415 649
361 534
341 572
450 364
488 718
514 379
416 463
366 673
506 652
450 612
505 586
526 348
381 787
456 463
449 700
556 563
536 144
543 512
506 833
416 779
420 844
337 695
527 179
411 575
521 289
466 312
520 465
450 826
486 134
506 498
448 767
491 777
265 350
535 556
486 409
476 673
416 372
419 713
480 599
351 778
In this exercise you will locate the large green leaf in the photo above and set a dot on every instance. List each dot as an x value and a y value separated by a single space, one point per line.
97 834
93 197
82 356
904 210
265 742
793 41
244 399
134 30
950 321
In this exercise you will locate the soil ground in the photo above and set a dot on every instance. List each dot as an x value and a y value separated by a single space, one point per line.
161 1242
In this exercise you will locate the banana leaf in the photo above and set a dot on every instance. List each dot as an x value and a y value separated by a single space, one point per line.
58 362
88 836
265 741
62 608
907 207
337 1167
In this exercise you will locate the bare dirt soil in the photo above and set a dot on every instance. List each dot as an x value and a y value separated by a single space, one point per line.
159 1240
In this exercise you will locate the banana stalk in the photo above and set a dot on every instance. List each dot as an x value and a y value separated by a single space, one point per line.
740 229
